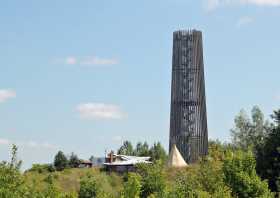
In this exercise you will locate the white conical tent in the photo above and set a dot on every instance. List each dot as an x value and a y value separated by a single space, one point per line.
175 158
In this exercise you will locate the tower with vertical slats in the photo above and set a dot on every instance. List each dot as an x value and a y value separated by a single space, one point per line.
188 119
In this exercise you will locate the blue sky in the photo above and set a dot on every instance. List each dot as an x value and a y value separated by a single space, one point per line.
84 75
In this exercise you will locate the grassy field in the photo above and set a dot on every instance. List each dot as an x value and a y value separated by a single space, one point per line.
68 180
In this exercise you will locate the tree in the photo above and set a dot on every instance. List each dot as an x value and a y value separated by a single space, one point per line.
90 188
74 161
249 132
157 152
142 149
60 161
126 148
268 156
240 174
153 179
11 180
91 159
204 179
132 187
276 117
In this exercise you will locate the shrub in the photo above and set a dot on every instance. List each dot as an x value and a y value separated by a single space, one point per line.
153 179
132 187
240 174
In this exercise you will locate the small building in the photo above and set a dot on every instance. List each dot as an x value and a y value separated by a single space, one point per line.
85 164
123 163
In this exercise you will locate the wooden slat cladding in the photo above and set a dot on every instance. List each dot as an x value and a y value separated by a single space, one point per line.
188 119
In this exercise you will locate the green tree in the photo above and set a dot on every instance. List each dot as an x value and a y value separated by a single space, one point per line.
153 179
240 174
268 156
51 191
132 187
249 132
142 149
204 179
60 161
11 180
126 149
157 152
74 161
89 187
91 159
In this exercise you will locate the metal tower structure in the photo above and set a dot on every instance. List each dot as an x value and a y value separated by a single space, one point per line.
188 119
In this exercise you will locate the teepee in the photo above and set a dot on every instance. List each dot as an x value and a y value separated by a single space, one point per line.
175 158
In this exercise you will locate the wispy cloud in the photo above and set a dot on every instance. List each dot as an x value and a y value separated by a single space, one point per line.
244 21
30 144
4 141
100 111
262 2
88 61
6 94
213 4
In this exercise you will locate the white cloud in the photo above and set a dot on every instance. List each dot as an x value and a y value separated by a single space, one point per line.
244 21
262 2
213 4
71 60
30 144
94 60
99 111
4 141
6 94
89 60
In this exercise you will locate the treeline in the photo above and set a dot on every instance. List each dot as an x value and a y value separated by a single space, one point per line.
262 137
156 151
247 167
61 161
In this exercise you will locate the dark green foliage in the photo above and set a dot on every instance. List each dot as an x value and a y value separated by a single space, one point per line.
132 187
91 158
240 174
42 168
142 149
126 149
204 179
268 156
153 179
74 161
11 181
157 152
60 161
89 188
276 117
249 132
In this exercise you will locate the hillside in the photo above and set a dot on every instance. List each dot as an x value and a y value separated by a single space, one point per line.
68 180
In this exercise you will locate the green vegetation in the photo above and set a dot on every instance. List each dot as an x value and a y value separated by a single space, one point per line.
60 161
156 152
247 167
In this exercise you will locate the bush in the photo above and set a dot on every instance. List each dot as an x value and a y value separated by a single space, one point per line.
132 187
153 179
60 161
240 174
89 188
42 168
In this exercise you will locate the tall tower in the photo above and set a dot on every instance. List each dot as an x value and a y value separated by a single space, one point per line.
188 120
